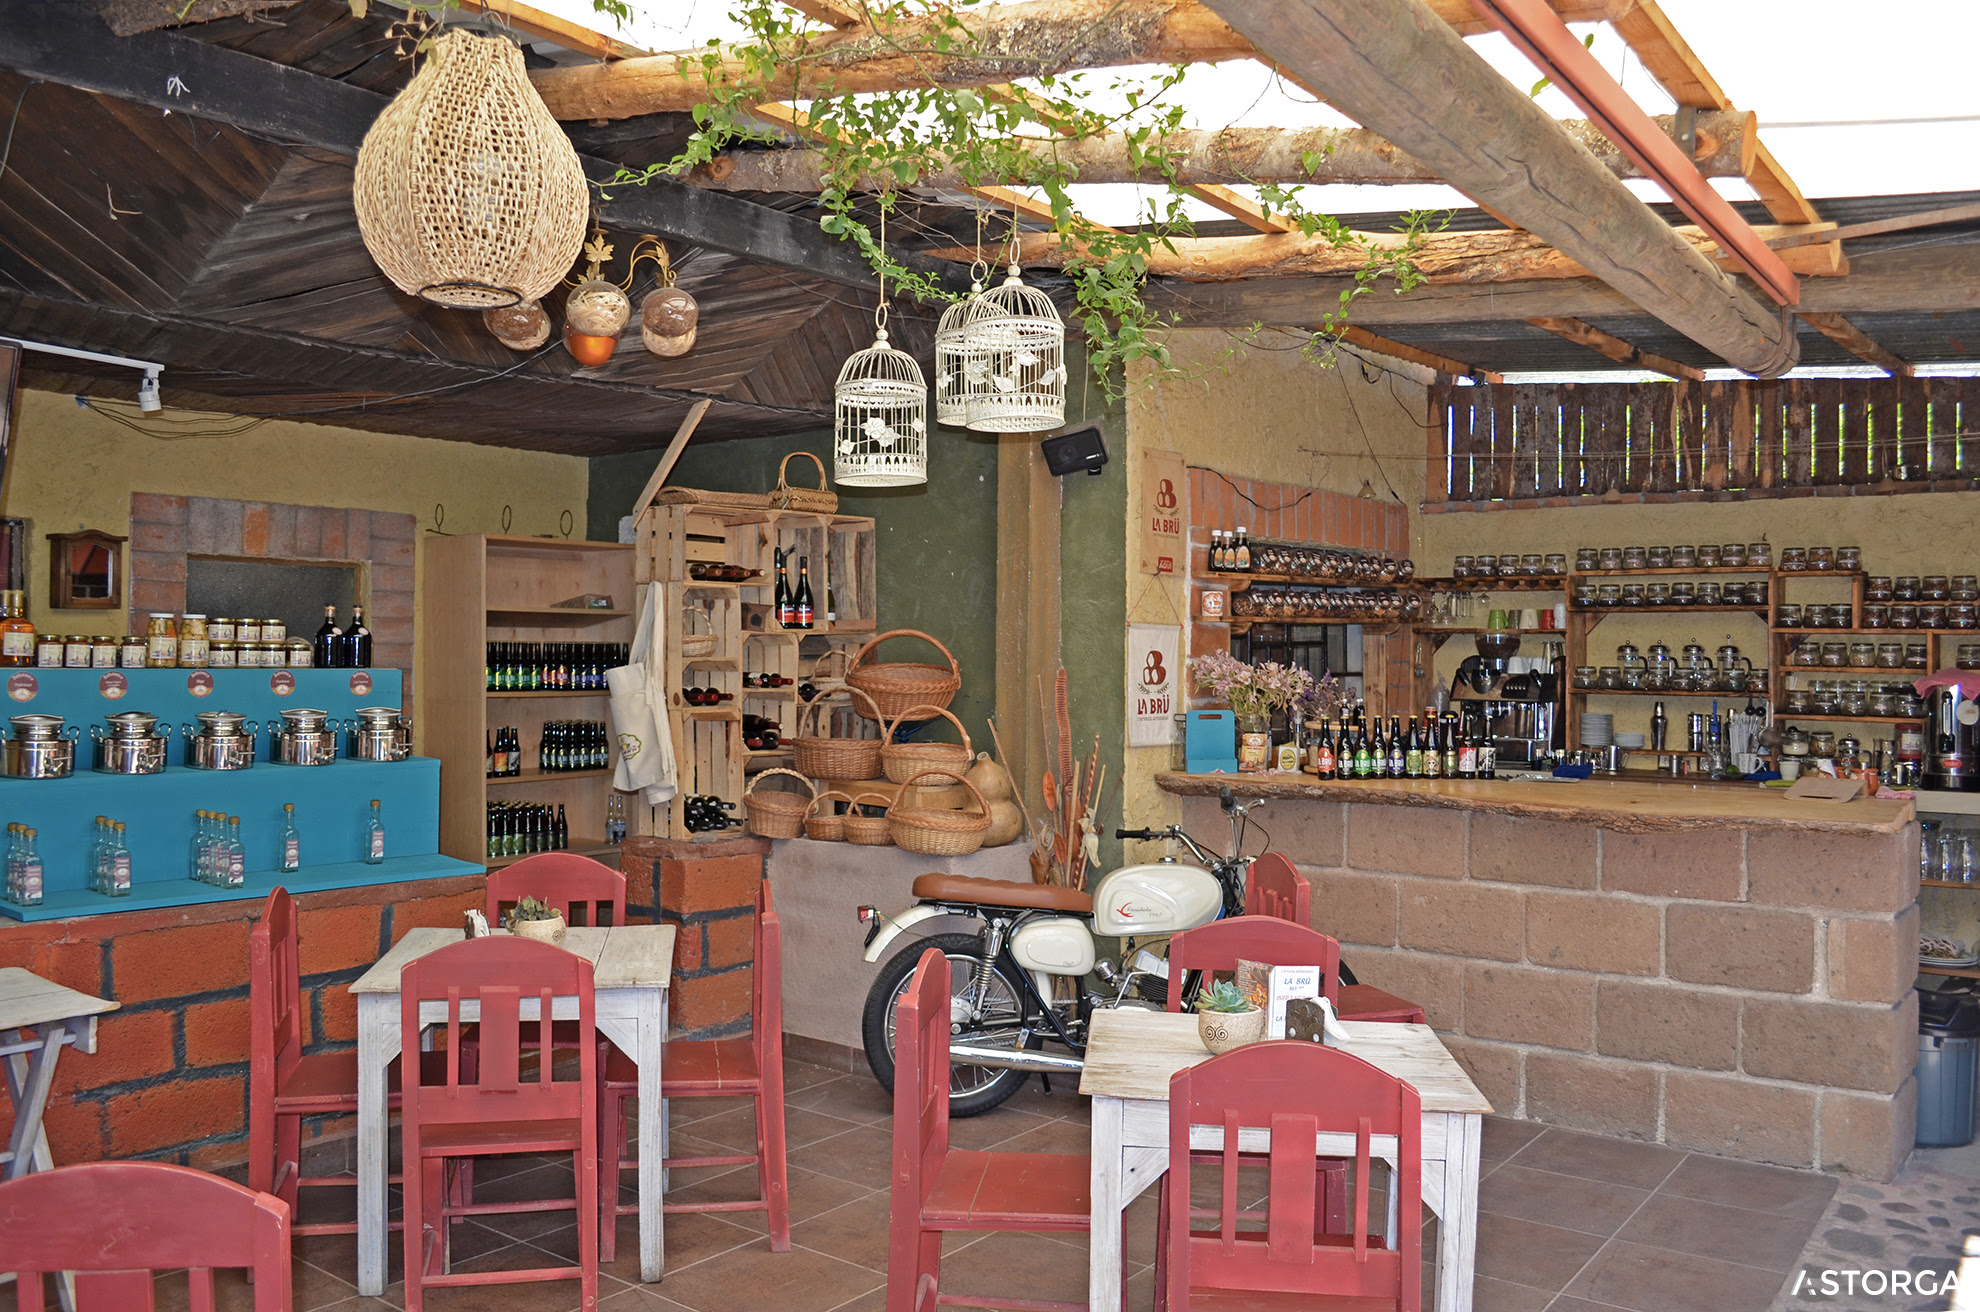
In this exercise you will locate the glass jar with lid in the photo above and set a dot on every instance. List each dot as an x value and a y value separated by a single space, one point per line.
1966 587
1794 560
300 654
48 651
161 640
220 629
131 653
1905 588
1877 588
1850 558
103 652
276 630
1760 555
1821 557
193 644
1708 556
1935 587
247 630
76 651
223 653
273 654
1962 615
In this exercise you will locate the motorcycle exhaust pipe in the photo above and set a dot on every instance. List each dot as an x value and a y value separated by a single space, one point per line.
1014 1059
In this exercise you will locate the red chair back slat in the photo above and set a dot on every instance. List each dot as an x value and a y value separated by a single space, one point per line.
582 889
767 990
275 1026
921 1085
116 1223
1272 887
507 977
1218 945
1298 1092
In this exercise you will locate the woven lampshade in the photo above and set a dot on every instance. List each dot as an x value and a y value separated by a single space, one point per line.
1015 331
880 428
958 372
468 193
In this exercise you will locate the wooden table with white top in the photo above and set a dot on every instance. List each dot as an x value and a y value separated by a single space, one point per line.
1130 1056
631 967
37 1020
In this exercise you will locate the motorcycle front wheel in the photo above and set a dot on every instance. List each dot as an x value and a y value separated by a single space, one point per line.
973 1090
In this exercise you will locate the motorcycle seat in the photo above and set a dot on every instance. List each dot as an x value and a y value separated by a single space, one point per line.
1002 893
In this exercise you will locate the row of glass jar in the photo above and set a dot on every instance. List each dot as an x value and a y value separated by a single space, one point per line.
1733 555
1863 655
1682 593
1932 587
1957 615
1532 565
1668 676
1276 603
1854 697
1331 566
1795 560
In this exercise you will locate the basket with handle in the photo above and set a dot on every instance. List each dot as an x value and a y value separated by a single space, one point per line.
932 832
824 757
825 683
868 830
902 761
900 686
777 815
820 825
696 645
700 496
820 500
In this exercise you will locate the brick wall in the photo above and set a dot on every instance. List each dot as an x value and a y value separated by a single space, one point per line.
165 530
169 1077
1746 993
707 890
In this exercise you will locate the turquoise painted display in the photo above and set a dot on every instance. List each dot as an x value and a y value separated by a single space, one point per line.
159 811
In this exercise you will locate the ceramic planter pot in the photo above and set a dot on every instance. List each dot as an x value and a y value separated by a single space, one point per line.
549 931
1222 1031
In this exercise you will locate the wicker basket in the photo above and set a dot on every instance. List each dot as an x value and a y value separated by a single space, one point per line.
824 757
825 683
897 687
820 499
868 830
699 496
696 645
903 761
939 833
777 815
821 826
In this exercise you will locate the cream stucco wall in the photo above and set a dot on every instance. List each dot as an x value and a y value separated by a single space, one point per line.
1261 410
71 468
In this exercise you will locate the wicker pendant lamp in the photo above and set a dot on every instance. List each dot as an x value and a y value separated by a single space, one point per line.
958 372
1015 333
880 409
468 193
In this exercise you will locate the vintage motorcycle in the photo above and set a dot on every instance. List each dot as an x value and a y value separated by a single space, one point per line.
1004 1010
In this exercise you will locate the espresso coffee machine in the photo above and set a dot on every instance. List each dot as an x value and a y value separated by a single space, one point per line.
1518 709
1952 735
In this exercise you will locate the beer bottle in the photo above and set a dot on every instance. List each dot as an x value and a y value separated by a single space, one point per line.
1487 752
1364 757
1433 752
1397 756
1413 755
1467 762
1450 745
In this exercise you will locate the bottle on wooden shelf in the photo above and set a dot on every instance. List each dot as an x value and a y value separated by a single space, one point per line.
785 603
1241 553
802 602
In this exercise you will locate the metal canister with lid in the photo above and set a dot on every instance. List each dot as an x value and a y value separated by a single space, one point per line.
41 747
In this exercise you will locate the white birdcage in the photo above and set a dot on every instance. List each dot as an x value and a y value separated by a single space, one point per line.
958 372
1014 334
880 429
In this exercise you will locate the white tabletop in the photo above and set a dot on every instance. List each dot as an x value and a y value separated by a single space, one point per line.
621 956
28 999
1132 1053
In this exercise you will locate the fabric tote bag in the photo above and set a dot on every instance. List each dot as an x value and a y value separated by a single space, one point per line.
638 706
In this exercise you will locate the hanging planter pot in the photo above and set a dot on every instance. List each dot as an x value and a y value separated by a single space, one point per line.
668 318
520 327
880 416
1014 333
468 193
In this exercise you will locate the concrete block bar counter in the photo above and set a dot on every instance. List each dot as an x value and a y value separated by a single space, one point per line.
1717 969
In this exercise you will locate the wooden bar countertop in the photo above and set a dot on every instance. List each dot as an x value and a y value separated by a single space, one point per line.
1625 806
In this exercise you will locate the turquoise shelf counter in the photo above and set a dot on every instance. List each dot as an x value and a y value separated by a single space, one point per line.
332 801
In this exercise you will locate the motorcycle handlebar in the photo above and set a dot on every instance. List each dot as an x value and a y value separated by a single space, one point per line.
1138 833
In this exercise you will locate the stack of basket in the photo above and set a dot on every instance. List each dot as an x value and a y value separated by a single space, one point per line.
777 814
899 687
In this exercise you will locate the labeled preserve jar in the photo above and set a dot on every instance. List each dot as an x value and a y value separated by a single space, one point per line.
223 654
48 651
103 653
220 629
192 642
76 650
301 654
130 653
161 641
274 630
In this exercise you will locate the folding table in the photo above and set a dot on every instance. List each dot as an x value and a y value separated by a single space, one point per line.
37 1019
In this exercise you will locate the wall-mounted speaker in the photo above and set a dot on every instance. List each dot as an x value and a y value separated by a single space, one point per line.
1071 452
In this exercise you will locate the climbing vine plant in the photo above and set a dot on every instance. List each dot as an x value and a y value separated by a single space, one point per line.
878 144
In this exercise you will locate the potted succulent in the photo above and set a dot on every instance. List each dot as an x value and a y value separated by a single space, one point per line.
1226 1019
530 918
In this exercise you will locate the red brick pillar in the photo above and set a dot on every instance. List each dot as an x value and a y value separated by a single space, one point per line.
707 890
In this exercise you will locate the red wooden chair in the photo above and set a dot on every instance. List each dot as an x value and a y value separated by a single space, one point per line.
937 1188
501 1110
1218 945
582 889
1273 888
750 1067
116 1224
1296 1092
286 1084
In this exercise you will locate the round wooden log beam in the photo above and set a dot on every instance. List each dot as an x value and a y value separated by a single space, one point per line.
1398 69
1230 157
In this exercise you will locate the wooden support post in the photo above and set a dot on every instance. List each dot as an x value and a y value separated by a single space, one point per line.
1028 578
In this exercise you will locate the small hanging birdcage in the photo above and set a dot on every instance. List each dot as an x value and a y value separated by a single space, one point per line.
880 429
958 372
1014 334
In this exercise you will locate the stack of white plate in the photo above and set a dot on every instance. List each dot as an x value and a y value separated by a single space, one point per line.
1597 730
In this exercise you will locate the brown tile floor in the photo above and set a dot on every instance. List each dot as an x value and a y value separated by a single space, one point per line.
1568 1223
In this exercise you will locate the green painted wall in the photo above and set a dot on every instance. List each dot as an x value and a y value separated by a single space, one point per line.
936 565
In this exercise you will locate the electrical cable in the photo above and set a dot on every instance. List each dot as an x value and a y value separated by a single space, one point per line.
7 149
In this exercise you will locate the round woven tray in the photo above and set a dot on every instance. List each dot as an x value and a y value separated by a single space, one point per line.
898 686
930 832
903 761
778 815
868 830
825 828
835 758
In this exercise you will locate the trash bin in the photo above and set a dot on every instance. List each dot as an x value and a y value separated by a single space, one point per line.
1948 1067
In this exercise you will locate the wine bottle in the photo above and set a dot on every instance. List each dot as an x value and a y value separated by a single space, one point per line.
357 642
329 646
786 612
802 602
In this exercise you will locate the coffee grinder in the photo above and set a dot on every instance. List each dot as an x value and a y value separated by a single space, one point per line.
1520 711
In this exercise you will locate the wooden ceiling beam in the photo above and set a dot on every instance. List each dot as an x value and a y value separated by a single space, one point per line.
69 45
844 17
1854 340
531 21
1615 348
1439 364
1397 69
